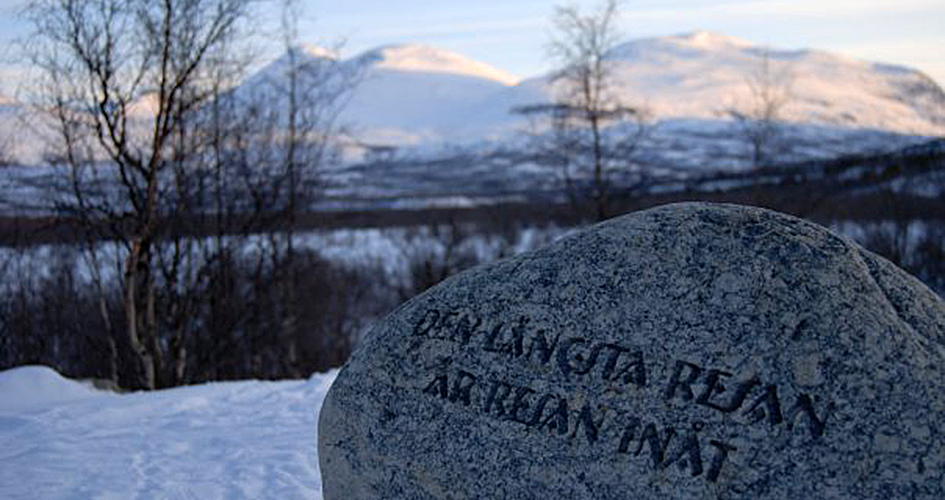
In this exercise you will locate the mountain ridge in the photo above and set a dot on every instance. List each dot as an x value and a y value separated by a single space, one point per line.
418 96
425 94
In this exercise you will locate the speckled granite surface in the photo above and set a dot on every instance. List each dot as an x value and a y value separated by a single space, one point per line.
690 351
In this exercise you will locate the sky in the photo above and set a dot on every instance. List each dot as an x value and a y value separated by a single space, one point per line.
512 35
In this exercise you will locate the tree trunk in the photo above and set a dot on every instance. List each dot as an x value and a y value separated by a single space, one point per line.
139 310
600 195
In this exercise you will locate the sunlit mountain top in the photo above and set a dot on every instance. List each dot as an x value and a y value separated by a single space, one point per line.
423 58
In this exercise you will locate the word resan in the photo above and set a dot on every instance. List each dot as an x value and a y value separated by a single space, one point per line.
558 416
751 400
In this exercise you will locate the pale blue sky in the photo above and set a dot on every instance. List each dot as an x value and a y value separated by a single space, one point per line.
512 34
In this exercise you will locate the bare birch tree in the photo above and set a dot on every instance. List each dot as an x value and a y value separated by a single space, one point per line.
300 105
591 128
760 120
123 79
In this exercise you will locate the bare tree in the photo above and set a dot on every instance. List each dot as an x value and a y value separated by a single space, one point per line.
760 120
592 130
300 105
123 80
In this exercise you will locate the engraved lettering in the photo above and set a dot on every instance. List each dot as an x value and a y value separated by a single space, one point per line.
590 426
462 385
558 419
497 393
427 322
677 381
519 404
767 405
689 453
634 372
444 324
465 328
563 416
721 453
628 432
611 362
496 342
539 409
518 333
564 363
585 365
657 445
489 341
738 397
542 347
806 406
712 386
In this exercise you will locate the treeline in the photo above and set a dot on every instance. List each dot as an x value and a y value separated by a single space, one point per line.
250 317
250 311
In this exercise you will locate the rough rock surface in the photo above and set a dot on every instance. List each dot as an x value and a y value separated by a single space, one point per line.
690 351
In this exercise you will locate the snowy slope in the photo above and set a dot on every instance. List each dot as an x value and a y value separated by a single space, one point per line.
60 440
414 94
405 94
699 75
422 92
424 59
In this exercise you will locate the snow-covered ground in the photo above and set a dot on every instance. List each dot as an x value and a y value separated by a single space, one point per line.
62 440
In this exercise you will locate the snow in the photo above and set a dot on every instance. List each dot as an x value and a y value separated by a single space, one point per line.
60 439
318 52
702 74
29 388
423 58
694 76
416 98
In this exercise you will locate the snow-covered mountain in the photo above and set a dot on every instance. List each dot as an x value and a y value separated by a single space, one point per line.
413 94
404 94
699 75
421 98
420 93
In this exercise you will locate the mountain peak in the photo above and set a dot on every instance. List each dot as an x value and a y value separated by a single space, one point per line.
694 44
709 40
315 51
423 58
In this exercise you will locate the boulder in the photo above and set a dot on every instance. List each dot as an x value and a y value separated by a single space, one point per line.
691 351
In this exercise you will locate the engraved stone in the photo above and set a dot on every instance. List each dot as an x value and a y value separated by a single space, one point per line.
690 351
